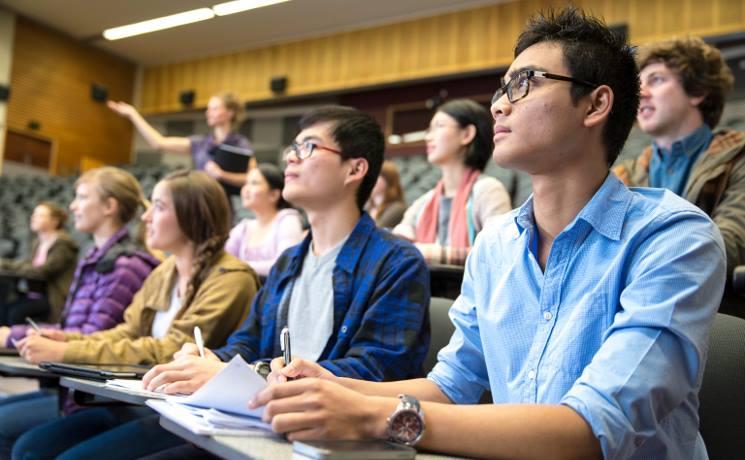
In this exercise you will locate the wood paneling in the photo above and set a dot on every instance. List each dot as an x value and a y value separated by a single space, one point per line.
458 42
50 80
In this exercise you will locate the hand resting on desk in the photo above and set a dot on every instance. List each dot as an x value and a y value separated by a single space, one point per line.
185 375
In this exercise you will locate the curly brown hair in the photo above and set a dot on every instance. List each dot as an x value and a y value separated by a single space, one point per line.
700 68
203 215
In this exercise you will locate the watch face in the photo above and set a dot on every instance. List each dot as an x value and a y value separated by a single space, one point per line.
406 426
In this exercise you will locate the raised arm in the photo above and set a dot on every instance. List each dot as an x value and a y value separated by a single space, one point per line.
151 135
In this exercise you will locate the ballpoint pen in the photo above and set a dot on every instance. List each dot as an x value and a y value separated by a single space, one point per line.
199 341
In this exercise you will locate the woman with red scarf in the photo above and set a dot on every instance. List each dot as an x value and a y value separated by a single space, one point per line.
444 222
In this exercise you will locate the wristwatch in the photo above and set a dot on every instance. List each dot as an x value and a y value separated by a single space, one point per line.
406 423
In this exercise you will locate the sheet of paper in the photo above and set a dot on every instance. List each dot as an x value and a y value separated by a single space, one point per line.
229 390
196 420
134 386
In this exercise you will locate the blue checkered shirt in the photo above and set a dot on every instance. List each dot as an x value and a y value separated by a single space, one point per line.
381 299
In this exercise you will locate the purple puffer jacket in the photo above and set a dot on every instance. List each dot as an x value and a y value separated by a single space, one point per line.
105 282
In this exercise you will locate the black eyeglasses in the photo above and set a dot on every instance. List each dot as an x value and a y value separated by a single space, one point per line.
519 85
305 150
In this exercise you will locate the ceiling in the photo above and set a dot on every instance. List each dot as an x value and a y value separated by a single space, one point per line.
86 19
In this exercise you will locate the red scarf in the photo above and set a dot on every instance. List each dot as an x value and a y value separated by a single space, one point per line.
426 229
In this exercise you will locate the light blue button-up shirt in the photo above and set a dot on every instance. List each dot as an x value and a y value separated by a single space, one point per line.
616 327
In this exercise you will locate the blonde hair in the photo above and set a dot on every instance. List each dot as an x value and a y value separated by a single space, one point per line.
111 182
232 103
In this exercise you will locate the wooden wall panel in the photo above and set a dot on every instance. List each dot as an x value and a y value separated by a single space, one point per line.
51 77
472 40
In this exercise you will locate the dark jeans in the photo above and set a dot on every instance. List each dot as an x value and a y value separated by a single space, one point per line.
20 413
112 432
16 312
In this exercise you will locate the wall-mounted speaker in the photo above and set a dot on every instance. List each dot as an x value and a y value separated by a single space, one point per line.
33 125
4 93
278 85
99 93
186 97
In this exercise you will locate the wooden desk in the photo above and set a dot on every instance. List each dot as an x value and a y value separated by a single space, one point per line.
248 447
15 366
98 388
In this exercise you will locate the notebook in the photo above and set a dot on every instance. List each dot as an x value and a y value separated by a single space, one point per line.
97 371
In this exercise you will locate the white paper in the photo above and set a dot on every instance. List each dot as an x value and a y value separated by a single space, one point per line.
196 420
229 390
134 386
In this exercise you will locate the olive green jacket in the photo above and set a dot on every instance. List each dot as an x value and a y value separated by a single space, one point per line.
57 271
220 305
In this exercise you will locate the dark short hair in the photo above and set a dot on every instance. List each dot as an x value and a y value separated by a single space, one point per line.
467 112
700 68
358 136
275 178
592 52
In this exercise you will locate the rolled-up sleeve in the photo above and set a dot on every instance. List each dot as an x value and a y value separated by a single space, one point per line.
460 372
650 364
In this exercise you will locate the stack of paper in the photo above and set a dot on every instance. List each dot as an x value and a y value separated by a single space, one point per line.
134 386
220 407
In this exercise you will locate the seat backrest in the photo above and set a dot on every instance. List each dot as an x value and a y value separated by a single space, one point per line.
441 329
722 396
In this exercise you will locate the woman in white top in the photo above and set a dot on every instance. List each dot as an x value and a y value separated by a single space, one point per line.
444 222
275 227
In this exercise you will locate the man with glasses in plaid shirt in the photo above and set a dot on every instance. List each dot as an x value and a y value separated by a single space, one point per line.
585 312
355 297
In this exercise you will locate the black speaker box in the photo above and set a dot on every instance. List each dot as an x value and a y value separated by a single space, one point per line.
99 93
278 85
4 93
186 97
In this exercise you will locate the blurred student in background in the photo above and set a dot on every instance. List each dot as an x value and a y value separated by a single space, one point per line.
386 204
276 225
444 222
52 261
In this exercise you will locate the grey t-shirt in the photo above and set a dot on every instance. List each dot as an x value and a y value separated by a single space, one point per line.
443 220
310 316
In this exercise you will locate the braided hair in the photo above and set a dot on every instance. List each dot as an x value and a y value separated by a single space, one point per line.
203 215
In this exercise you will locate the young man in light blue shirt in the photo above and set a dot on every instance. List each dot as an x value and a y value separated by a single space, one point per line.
586 312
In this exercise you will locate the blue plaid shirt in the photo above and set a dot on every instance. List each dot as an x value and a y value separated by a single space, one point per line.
381 299
616 326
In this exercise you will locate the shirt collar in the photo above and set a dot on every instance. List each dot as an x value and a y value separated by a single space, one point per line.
605 211
689 145
349 254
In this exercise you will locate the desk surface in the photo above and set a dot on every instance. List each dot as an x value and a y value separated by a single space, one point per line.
99 388
247 447
15 366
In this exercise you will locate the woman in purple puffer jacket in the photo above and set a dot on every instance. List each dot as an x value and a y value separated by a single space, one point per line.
106 279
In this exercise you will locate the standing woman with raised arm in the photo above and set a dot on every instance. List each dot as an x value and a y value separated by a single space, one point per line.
444 222
198 285
223 112
105 282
